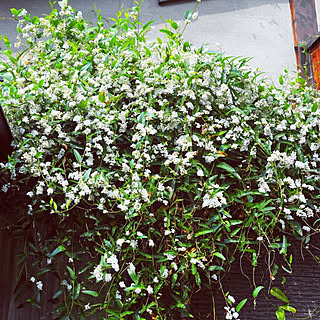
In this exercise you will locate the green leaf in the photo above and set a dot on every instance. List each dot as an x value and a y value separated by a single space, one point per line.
174 280
289 308
123 314
86 175
228 168
281 79
147 25
186 45
132 275
173 24
276 292
286 270
168 32
314 107
203 231
254 261
241 304
57 250
284 246
256 291
102 96
219 255
193 269
198 279
14 11
77 155
77 291
91 293
188 15
280 314
43 271
57 294
6 41
72 274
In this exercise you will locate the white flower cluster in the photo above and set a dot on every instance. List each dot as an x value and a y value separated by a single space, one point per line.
156 142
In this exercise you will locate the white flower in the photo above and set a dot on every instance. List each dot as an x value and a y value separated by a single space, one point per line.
200 173
120 242
151 243
32 279
134 243
138 290
87 306
150 289
306 228
107 277
39 285
165 273
113 260
131 268
232 299
122 284
118 295
97 273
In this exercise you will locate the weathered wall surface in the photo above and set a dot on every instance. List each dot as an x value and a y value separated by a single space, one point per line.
301 288
257 28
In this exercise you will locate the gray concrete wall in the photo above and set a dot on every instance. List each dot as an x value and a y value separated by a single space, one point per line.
257 28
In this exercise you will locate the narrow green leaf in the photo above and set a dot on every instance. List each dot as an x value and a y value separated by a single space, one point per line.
147 25
219 255
228 168
256 291
168 32
132 274
204 231
193 269
126 313
57 294
72 274
241 304
284 246
86 175
43 271
198 279
276 292
289 308
77 155
77 291
174 280
91 293
57 250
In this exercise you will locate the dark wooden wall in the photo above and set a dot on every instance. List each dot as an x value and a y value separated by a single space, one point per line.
302 288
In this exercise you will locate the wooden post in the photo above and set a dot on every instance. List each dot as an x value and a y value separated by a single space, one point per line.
305 35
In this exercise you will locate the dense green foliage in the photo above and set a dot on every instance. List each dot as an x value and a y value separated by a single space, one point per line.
145 166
